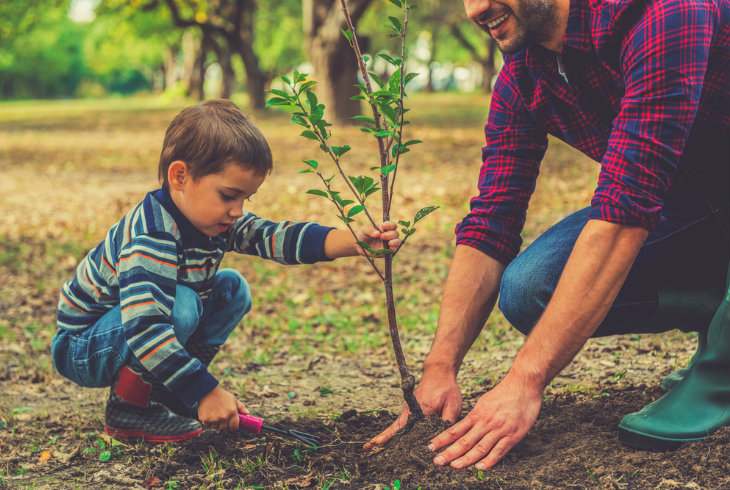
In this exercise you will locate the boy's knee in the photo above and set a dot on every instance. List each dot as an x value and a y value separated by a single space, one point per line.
235 290
523 295
186 313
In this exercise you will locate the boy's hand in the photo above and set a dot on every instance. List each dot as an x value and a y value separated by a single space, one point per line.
219 409
388 232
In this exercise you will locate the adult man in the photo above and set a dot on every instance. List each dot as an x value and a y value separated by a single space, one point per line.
642 87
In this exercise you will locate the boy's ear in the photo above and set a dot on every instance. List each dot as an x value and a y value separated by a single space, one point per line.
177 174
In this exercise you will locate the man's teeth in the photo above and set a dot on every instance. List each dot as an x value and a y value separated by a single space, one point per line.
494 23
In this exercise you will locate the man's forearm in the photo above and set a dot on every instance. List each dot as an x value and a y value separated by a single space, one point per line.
469 296
596 270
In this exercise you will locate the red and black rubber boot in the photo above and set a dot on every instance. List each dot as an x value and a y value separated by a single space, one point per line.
131 414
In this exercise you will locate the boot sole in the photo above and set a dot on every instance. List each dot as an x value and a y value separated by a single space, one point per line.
127 435
650 442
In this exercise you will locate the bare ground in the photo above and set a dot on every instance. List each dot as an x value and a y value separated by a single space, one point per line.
314 351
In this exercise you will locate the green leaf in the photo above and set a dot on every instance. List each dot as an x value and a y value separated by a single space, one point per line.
397 3
404 223
394 82
395 23
355 210
280 93
317 192
384 133
297 119
312 163
423 212
307 85
340 150
366 58
274 101
312 99
310 135
409 77
365 246
388 169
286 80
306 171
365 119
389 114
345 219
105 456
412 142
348 34
395 61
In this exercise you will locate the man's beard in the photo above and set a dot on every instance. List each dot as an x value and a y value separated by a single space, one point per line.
535 20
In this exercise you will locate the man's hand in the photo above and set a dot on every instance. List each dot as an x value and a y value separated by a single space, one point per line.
219 409
499 420
388 232
437 393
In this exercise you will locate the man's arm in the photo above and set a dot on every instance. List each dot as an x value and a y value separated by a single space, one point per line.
596 270
469 297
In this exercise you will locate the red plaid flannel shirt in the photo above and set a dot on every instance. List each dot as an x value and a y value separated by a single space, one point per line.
636 75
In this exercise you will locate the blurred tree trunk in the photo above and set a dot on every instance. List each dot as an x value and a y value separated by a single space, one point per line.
332 58
195 52
431 60
228 74
486 61
232 21
169 67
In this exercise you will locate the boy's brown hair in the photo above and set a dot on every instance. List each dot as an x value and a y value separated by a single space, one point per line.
211 134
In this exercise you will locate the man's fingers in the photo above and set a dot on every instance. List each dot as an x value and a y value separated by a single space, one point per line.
498 452
461 446
479 449
389 432
451 434
452 410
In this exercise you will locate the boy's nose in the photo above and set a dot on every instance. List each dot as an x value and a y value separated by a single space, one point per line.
235 212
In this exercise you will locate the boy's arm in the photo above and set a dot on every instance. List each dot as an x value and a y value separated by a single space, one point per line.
147 272
285 242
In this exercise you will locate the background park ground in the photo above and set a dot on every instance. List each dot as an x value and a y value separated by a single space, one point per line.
314 351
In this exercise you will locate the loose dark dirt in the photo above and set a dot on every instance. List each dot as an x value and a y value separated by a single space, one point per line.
573 445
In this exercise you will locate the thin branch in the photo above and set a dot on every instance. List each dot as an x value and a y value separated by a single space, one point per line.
354 234
355 43
336 160
401 102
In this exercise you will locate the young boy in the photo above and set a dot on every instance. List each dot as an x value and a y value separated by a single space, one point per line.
148 309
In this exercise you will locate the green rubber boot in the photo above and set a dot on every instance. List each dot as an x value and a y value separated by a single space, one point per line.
686 309
698 405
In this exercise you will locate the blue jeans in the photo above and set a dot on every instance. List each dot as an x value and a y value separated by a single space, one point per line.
686 255
93 356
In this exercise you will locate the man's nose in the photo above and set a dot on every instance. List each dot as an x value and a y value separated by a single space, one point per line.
475 8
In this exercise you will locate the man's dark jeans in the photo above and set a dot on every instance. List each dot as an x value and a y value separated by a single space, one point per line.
687 254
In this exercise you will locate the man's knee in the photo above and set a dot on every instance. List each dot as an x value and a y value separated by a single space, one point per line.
186 313
523 294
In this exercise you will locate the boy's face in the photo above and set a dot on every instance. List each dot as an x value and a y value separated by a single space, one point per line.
213 202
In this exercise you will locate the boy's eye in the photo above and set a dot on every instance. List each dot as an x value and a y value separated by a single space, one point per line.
227 197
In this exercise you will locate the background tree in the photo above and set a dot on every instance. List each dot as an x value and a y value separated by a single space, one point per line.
333 62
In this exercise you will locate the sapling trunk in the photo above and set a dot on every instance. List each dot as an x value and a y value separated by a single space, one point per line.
386 125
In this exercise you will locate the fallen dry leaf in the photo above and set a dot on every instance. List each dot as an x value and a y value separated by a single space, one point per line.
44 456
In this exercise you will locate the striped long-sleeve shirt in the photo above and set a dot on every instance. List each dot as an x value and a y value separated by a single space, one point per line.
143 258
